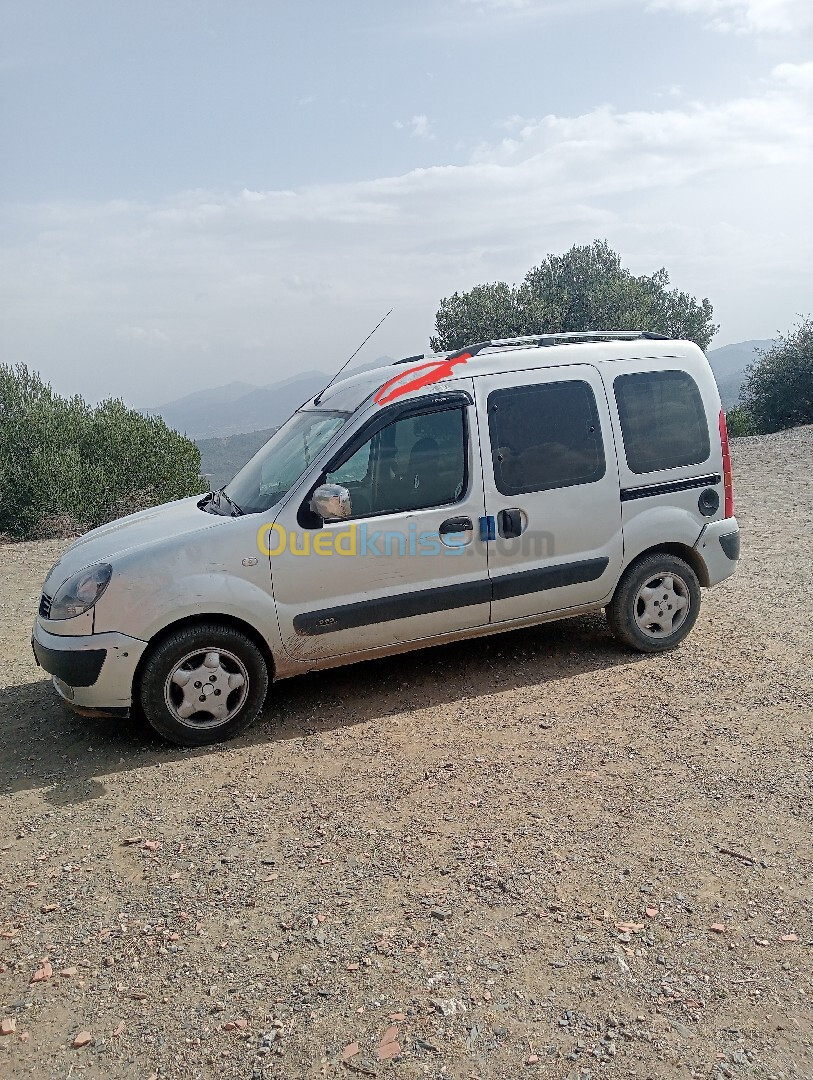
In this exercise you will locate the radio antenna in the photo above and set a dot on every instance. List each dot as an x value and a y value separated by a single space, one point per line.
317 400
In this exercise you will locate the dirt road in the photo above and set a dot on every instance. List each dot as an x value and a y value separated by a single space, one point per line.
534 855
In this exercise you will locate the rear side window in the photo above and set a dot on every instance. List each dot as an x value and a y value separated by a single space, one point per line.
663 421
545 436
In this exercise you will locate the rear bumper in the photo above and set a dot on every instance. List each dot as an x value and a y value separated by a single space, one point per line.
90 672
719 547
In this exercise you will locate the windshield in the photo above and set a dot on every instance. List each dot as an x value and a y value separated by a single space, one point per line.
277 466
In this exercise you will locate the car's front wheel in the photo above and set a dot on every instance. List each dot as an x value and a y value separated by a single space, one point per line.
203 684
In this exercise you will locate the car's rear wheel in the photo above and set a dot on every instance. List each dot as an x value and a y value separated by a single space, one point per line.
655 604
203 684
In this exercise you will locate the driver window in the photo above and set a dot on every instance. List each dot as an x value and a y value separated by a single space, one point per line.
354 470
414 463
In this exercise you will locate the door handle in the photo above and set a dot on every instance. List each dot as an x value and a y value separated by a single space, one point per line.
510 523
455 525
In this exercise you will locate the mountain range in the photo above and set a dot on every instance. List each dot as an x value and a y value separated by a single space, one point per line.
729 363
239 407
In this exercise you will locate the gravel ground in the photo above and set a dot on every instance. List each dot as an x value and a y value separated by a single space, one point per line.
534 855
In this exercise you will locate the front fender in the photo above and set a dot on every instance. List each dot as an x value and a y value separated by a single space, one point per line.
145 606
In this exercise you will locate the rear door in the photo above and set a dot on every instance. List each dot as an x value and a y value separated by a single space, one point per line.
553 511
670 466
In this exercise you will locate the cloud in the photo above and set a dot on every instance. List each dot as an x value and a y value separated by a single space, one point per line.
796 76
420 127
755 16
147 335
739 16
670 146
262 282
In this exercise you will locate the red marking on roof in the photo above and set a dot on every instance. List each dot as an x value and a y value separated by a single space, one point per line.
419 376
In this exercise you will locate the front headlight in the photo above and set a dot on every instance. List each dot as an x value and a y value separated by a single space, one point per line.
80 592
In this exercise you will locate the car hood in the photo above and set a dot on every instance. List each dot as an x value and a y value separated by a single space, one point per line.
160 523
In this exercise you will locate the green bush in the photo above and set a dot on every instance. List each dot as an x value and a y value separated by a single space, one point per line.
67 466
739 422
778 389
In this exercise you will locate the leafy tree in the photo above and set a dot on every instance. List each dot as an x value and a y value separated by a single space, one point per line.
66 466
739 422
778 388
587 288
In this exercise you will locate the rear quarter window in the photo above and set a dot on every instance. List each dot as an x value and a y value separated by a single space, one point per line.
663 420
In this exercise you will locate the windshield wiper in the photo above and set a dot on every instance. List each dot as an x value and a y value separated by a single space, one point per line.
235 509
211 503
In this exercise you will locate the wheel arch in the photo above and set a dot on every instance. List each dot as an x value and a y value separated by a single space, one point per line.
232 621
681 551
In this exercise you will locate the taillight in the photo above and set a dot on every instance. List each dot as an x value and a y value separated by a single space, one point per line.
728 480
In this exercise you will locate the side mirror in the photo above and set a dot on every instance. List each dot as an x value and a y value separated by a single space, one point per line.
331 502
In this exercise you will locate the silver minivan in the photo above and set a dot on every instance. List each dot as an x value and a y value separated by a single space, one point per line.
500 486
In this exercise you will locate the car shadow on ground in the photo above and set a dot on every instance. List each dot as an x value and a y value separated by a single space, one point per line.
46 746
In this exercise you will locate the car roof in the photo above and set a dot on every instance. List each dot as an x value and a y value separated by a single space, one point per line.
506 355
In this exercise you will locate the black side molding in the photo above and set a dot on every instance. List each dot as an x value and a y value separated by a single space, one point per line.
646 491
388 608
547 577
730 543
463 594
79 667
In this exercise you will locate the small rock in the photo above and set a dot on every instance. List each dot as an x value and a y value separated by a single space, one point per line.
441 914
717 928
350 1051
390 1035
422 1044
8 1025
130 840
389 1050
43 973
68 972
448 1006
84 1038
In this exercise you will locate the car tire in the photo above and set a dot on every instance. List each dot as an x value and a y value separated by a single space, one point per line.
203 684
655 604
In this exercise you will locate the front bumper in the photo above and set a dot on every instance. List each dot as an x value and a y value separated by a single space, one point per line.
93 671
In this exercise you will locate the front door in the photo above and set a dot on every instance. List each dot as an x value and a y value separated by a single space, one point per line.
410 563
552 491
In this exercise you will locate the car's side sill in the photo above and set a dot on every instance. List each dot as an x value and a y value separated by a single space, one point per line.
287 667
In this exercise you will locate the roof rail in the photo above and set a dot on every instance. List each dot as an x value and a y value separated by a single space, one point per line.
541 341
576 337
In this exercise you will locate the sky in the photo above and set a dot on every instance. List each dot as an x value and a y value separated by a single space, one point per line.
195 192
